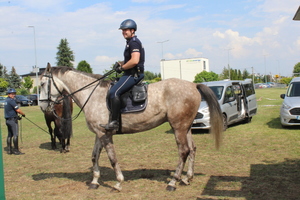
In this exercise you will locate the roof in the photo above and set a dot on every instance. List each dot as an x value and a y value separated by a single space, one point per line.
297 14
33 73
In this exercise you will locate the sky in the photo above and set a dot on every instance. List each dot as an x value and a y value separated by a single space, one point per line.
259 36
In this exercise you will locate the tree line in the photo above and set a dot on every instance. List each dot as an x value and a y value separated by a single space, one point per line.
65 57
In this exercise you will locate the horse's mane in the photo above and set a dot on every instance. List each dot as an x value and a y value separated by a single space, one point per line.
64 69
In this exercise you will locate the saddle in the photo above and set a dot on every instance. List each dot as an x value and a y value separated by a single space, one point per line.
135 100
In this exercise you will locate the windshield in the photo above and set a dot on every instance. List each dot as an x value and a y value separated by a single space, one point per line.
21 97
293 90
218 90
2 98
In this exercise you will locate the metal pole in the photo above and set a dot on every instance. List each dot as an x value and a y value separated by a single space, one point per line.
2 187
265 69
162 58
36 69
228 62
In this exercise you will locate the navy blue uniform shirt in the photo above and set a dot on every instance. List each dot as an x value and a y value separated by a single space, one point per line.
135 45
10 108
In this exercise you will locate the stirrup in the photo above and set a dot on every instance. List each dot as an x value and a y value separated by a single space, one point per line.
113 125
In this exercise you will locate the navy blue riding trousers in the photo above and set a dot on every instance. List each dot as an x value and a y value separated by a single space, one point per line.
125 83
12 127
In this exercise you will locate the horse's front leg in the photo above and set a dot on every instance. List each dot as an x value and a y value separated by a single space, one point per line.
109 147
52 136
95 158
67 148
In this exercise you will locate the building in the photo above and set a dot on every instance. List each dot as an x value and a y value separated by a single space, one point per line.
33 77
185 69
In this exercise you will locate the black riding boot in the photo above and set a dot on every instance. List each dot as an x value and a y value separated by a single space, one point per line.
16 145
9 147
113 123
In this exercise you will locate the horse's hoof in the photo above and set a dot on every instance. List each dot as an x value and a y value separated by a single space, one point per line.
171 188
184 181
93 186
115 190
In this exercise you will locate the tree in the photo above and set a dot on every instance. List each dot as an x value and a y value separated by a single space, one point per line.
151 76
206 77
28 83
84 67
246 74
14 79
65 55
3 85
1 70
286 80
297 69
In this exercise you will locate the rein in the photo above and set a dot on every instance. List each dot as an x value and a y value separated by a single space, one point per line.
66 96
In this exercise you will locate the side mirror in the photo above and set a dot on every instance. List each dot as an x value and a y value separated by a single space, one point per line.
282 96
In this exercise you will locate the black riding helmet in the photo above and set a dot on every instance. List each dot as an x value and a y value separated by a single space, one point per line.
128 24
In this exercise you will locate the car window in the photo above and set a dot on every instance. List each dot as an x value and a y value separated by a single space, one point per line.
249 89
218 90
294 89
229 93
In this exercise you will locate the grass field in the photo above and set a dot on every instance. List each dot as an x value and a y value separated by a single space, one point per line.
259 160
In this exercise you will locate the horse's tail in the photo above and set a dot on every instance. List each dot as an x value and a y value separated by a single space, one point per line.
66 119
216 117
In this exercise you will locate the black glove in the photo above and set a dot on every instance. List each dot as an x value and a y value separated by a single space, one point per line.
23 115
117 67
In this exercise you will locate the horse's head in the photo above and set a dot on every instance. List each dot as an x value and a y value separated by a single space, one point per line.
50 89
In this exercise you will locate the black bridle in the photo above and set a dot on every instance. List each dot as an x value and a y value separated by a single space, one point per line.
58 100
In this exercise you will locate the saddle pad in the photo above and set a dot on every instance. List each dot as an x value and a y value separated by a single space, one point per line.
134 106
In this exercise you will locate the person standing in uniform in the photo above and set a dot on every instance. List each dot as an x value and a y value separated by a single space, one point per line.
11 111
133 68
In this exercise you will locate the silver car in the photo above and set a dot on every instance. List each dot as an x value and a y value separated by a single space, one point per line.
290 109
2 101
237 102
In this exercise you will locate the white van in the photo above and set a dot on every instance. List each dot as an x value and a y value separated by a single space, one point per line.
237 101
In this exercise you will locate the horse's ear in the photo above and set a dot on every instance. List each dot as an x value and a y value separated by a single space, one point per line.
48 69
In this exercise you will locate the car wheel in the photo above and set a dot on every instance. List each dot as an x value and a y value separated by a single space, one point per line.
225 124
283 126
247 119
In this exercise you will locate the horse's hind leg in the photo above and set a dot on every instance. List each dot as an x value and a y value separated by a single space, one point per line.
95 158
191 159
183 151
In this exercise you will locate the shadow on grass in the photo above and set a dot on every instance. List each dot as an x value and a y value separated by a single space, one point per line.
276 124
47 146
107 174
266 181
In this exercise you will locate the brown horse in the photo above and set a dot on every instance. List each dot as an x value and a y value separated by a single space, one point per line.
173 100
60 115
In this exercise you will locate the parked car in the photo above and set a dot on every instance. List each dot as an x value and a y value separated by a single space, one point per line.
33 98
23 101
290 109
2 101
258 85
237 102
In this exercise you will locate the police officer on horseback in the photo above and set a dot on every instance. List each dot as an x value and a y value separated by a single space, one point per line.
132 68
11 111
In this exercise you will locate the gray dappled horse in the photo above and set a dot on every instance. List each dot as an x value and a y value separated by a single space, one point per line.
173 100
